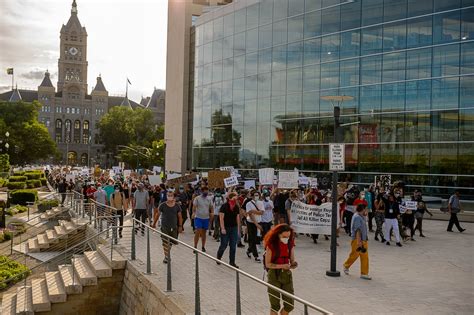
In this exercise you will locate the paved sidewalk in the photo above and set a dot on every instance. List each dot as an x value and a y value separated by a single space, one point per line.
433 275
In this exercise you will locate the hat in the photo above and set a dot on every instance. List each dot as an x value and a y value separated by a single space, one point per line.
140 185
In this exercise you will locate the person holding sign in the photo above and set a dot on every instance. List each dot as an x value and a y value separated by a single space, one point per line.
255 210
359 243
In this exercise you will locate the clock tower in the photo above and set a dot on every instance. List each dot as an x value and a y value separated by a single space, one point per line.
72 74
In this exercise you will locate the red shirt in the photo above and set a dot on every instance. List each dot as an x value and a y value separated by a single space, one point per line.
283 254
360 201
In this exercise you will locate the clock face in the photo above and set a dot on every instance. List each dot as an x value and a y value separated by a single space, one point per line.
73 51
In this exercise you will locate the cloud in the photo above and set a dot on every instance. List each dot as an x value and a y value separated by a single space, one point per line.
5 88
33 75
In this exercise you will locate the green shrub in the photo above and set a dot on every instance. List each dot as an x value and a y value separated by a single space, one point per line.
21 209
11 211
44 181
22 196
2 182
47 204
19 173
11 272
33 175
16 185
17 179
33 183
7 235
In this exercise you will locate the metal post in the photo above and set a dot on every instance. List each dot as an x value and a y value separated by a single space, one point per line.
115 230
133 240
11 245
148 254
111 245
238 309
306 309
168 267
197 297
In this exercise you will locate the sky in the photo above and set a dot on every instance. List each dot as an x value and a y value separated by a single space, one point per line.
126 38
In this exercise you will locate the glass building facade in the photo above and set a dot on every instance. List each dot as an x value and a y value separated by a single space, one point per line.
263 69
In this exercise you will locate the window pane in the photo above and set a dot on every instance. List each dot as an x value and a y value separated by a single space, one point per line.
349 74
443 5
295 55
313 4
393 67
393 97
467 58
265 60
217 71
312 24
227 91
311 102
252 40
238 90
294 80
208 28
394 36
229 24
445 93
280 32
417 7
266 11
207 73
312 51
331 20
279 83
311 78
228 47
330 46
350 44
239 44
330 75
228 67
370 98
394 10
280 9
279 58
350 15
418 95
207 53
217 50
419 64
296 7
264 85
252 16
251 64
446 27
218 28
240 20
295 28
420 32
372 12
467 24
467 95
372 40
265 35
371 69
239 66
251 87
445 60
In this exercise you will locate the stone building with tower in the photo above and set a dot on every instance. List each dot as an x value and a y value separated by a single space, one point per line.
70 113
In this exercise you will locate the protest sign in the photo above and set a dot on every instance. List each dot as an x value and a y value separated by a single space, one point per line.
154 179
231 181
227 168
173 176
303 180
126 173
265 176
287 179
249 184
216 178
383 182
181 180
311 218
157 170
117 169
313 182
70 176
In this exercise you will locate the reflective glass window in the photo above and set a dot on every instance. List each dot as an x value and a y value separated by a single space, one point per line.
264 85
330 46
208 29
371 40
216 96
467 24
350 44
312 4
218 31
419 32
198 76
251 87
467 58
199 58
371 69
252 16
445 93
330 75
229 24
372 12
251 64
228 47
252 40
418 95
239 44
238 90
393 97
278 106
417 7
217 50
295 28
295 55
265 60
207 74
228 67
370 98
394 10
418 64
280 9
207 53
206 96
278 83
295 7
217 71
350 15
312 51
331 20
349 74
240 21
443 5
294 102
265 36
227 91
266 11
263 109
279 58
280 32
294 80
199 35
467 96
446 27
394 36
239 66
311 103
312 24
311 77
394 65
238 113
445 60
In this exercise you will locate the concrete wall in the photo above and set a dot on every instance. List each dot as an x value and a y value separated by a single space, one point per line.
140 296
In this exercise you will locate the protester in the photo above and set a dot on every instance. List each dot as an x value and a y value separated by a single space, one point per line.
139 206
392 213
454 207
202 214
117 201
267 217
279 260
359 243
379 205
288 203
229 218
217 202
254 211
183 201
62 189
420 211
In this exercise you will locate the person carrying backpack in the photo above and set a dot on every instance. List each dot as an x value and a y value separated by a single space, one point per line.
279 259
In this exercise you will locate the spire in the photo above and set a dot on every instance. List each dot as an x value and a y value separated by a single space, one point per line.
126 102
100 85
16 96
46 80
74 7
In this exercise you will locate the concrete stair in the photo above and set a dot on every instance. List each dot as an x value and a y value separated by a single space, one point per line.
49 214
54 286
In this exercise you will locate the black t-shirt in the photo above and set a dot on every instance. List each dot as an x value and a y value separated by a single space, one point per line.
156 198
392 210
126 193
279 202
169 215
230 216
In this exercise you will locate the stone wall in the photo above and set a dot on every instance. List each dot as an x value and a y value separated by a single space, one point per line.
141 296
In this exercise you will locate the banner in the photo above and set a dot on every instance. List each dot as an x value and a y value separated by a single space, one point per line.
154 180
182 180
265 176
231 181
288 179
173 176
311 218
249 184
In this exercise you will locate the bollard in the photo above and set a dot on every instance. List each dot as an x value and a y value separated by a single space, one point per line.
197 297
133 257
238 309
148 254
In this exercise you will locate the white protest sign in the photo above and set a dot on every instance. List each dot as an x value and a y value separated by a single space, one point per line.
85 172
70 176
265 176
249 184
411 205
154 179
127 173
173 176
313 182
111 173
351 208
303 180
117 169
157 170
204 174
231 181
227 168
287 179
336 157
311 218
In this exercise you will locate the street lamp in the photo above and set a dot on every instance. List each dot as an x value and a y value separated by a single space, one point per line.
336 101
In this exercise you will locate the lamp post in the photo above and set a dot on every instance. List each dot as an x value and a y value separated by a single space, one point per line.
7 204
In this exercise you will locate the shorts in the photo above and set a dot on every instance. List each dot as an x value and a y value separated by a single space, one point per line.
201 223
171 232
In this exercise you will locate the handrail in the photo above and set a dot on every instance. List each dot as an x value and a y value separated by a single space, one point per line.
195 250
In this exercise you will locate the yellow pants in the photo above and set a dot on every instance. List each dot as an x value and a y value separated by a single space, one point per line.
364 257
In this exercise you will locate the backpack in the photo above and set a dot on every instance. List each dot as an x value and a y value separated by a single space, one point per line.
277 254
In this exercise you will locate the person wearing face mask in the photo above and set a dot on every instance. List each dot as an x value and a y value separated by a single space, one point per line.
267 217
202 214
279 261
420 211
229 218
288 203
139 205
218 201
392 213
117 201
254 212
359 243
183 201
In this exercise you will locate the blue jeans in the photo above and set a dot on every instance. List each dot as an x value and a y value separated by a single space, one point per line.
229 238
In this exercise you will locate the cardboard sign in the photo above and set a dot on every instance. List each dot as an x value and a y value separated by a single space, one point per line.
313 182
249 184
231 181
154 180
181 180
216 178
287 179
311 218
265 176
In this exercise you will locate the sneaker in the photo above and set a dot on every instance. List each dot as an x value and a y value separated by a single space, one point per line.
203 250
383 240
218 262
366 277
387 243
234 265
165 261
421 235
248 254
399 244
258 260
240 245
412 239
462 230
346 271
449 230
376 238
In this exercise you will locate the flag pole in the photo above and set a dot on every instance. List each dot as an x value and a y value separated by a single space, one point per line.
126 88
13 79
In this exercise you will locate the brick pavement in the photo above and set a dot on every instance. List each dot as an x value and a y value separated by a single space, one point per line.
433 275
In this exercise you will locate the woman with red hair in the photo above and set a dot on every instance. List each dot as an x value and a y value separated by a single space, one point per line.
279 260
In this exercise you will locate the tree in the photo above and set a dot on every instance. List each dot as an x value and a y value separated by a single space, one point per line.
29 140
132 136
4 163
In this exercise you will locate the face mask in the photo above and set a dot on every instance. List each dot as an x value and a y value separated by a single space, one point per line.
397 195
204 194
284 240
116 190
181 190
170 198
255 198
267 198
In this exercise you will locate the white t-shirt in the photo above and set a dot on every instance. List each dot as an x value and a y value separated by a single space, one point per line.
267 217
251 206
